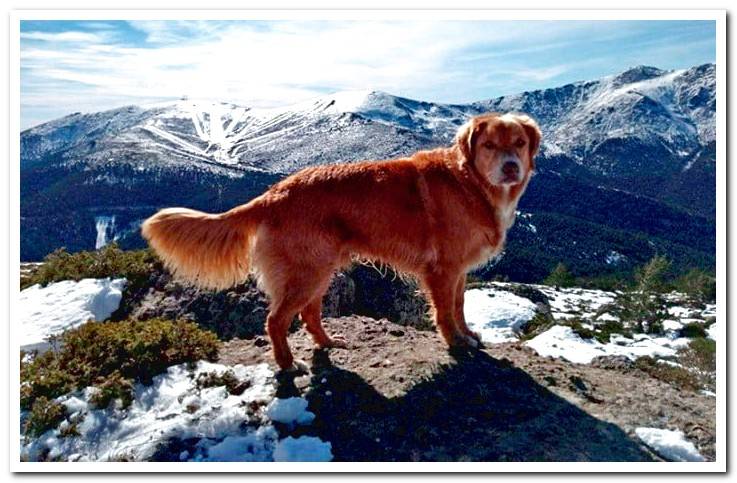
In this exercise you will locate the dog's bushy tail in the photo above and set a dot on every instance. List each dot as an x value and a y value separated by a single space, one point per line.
211 251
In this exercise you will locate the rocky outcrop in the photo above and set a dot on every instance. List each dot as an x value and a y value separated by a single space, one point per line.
399 394
241 311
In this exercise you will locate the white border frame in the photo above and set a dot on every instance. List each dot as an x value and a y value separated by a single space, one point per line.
719 16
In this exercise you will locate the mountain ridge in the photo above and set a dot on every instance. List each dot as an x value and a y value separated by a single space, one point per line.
646 133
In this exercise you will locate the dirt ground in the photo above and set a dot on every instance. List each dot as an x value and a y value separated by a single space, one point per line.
399 394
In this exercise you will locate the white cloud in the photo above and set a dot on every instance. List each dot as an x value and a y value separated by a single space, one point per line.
70 36
277 63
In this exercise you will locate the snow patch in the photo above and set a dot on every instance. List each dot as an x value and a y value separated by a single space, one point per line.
671 445
614 258
60 306
290 411
105 226
497 315
581 302
215 424
304 448
711 331
562 342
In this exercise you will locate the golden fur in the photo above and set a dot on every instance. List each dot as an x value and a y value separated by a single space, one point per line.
435 215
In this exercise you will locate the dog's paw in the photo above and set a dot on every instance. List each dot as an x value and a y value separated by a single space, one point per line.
471 341
337 342
298 367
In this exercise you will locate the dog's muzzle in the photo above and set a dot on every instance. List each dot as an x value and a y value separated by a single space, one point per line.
510 171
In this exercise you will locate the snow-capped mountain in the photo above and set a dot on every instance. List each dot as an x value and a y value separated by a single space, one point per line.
643 138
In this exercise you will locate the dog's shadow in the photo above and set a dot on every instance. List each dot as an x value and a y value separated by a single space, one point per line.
476 409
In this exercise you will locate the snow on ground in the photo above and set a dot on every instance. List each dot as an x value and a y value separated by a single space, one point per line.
579 302
497 315
292 410
219 425
60 306
562 342
711 331
304 448
709 311
671 445
670 324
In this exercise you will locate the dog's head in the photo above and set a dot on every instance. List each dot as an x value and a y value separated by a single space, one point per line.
501 147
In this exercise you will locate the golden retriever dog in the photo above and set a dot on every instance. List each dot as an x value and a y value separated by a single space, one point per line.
434 215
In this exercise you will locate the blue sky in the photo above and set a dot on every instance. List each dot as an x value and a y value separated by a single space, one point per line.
70 66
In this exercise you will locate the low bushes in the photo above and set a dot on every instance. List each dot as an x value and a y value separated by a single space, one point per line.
109 261
111 356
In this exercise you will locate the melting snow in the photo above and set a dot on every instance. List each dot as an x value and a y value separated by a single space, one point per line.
224 426
671 445
497 315
60 306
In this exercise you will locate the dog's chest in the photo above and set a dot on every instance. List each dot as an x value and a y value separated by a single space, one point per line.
506 210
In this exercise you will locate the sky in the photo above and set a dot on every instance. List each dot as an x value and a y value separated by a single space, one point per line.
88 66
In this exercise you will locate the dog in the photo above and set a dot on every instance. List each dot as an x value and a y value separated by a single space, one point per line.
434 215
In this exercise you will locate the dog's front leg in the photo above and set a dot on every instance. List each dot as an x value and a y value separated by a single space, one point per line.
442 291
472 337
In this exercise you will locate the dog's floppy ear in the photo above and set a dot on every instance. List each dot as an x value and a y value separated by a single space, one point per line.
533 134
466 138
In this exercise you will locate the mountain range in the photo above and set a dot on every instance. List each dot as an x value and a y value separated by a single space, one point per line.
627 167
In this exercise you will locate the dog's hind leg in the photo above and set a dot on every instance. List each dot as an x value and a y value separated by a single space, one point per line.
460 318
299 292
311 315
285 304
280 317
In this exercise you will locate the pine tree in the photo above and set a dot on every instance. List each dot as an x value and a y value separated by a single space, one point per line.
644 305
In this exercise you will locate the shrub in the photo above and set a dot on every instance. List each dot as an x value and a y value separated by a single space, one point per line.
697 284
112 355
110 388
45 414
692 330
609 282
701 353
576 325
538 324
674 375
605 331
560 277
109 261
227 379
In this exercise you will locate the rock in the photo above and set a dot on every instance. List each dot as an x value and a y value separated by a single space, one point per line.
620 363
241 311
530 293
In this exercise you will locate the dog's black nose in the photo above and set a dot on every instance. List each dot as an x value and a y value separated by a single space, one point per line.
510 168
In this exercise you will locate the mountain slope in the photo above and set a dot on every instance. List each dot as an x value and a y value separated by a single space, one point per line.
636 151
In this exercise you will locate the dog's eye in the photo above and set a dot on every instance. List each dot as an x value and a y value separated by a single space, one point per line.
520 143
489 145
